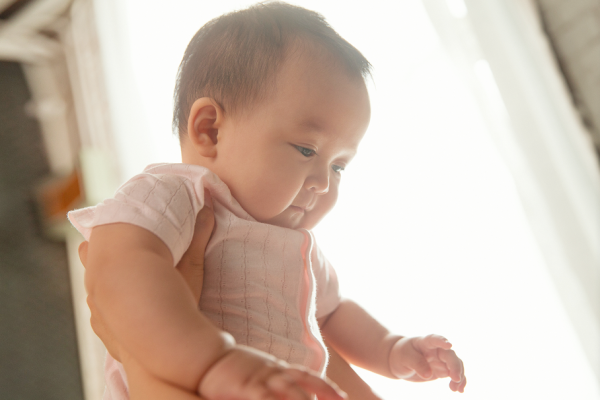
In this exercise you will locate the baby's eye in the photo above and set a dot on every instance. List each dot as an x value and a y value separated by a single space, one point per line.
337 168
305 151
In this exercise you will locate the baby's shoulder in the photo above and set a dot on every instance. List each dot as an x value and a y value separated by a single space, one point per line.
172 177
170 172
179 185
167 184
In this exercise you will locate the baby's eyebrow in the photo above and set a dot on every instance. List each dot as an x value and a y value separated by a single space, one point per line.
310 125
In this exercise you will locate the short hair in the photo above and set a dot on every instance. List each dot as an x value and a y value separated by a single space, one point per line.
234 58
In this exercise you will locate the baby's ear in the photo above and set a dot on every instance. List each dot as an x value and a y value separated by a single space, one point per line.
203 126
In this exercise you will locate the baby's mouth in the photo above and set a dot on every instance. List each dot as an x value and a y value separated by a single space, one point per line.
304 208
297 209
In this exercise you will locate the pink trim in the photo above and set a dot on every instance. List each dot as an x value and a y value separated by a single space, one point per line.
312 340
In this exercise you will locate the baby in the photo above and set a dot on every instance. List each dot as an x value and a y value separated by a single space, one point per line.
271 105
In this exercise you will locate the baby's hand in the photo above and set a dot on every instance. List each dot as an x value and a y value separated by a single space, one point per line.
248 374
425 358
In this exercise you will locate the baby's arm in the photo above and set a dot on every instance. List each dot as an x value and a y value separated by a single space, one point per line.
146 304
364 342
339 371
145 386
148 307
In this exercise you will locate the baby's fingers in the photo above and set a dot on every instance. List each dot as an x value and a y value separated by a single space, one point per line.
458 386
453 363
324 389
435 341
456 369
284 386
421 366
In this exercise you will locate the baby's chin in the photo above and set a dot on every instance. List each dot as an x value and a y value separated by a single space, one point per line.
293 218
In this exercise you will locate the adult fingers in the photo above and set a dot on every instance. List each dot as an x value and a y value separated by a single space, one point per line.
206 215
312 383
98 325
82 250
191 265
100 329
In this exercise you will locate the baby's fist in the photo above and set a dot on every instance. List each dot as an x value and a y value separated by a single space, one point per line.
426 358
248 374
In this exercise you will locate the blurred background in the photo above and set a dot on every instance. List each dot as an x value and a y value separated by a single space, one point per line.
472 209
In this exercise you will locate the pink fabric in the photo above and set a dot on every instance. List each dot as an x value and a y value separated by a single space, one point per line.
260 279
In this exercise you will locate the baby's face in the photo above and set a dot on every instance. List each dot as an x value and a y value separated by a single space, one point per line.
283 160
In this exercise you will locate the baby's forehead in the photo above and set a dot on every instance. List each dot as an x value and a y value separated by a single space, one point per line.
319 57
307 81
323 106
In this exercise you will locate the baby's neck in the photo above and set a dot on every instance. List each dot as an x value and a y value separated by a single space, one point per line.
190 156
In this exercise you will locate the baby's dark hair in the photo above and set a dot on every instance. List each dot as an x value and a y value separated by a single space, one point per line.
234 58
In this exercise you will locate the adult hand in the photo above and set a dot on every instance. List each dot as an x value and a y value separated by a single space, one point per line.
191 268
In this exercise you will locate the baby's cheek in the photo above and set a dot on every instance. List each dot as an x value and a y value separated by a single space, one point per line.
322 208
270 201
254 202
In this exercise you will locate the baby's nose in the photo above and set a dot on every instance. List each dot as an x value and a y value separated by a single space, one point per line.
318 182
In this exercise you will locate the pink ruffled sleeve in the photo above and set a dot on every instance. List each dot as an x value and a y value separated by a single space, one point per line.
166 205
328 290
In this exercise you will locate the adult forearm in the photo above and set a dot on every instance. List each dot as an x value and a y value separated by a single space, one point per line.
359 338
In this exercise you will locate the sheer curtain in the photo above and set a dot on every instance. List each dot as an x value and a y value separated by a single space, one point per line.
502 53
